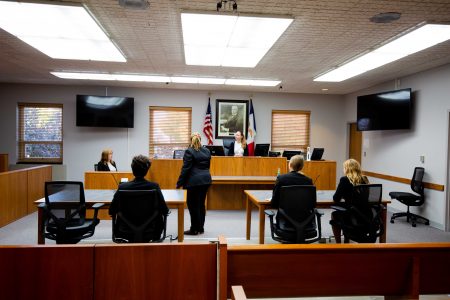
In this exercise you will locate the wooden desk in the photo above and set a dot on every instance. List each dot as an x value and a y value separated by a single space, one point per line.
174 199
261 199
4 162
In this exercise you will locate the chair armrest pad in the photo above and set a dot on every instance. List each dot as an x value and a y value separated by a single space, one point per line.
42 205
269 212
97 205
319 212
340 208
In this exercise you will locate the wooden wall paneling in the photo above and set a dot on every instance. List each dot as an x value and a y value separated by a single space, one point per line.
231 196
47 272
13 196
105 180
247 166
165 172
323 173
36 185
176 271
4 162
427 185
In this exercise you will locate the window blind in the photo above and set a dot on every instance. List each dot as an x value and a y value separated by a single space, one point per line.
40 133
170 129
290 130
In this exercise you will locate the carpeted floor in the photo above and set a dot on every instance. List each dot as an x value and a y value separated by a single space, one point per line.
231 224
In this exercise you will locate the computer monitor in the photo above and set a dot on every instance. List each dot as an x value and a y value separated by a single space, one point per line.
178 153
262 149
274 154
317 153
216 150
289 153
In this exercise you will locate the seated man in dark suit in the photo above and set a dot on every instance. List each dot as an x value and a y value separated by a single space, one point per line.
140 166
294 177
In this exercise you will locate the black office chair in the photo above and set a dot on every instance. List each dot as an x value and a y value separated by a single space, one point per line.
226 145
410 199
178 153
138 219
298 221
65 212
361 220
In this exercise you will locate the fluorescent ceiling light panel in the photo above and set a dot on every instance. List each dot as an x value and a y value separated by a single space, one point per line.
157 78
229 40
59 31
412 42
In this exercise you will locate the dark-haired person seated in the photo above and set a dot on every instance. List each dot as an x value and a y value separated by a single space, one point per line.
106 163
352 176
294 177
140 166
239 146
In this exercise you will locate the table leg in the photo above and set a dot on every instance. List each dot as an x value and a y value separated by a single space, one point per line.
181 222
40 237
262 224
248 218
383 217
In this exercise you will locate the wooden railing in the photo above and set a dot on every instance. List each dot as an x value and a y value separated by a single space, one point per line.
428 185
19 189
393 270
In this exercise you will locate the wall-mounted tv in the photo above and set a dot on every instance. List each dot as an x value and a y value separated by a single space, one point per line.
105 111
384 111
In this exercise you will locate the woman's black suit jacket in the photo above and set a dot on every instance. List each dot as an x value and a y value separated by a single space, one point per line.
103 166
195 170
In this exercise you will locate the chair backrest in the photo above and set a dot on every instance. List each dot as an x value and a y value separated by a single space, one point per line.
417 180
298 201
65 199
178 153
138 217
227 143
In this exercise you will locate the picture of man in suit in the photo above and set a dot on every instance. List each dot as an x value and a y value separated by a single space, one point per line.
234 122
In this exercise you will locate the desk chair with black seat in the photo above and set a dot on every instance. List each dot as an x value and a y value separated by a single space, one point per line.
298 221
138 219
410 199
361 220
65 212
226 145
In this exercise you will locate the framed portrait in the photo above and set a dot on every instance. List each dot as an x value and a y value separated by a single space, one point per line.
231 116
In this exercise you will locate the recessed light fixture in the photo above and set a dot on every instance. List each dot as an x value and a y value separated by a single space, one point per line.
407 44
161 78
229 40
324 90
59 31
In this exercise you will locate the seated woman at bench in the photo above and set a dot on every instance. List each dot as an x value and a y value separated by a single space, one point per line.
352 176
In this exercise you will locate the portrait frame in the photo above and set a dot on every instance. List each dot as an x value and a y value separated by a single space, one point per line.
231 116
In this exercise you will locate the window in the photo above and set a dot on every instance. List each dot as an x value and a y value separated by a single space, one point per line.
290 130
40 138
170 129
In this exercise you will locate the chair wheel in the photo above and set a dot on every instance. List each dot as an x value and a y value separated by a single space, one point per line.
392 221
414 225
427 223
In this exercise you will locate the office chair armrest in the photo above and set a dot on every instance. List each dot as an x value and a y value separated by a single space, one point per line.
339 208
319 212
269 212
42 205
96 207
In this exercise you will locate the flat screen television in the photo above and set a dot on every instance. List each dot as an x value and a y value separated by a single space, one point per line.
262 149
384 111
215 150
105 111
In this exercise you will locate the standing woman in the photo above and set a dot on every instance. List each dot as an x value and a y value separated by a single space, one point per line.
352 176
106 163
196 179
239 146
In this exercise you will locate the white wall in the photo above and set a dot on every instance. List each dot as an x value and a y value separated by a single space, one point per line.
397 152
82 146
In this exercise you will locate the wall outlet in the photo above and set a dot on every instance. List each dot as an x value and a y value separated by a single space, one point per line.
422 158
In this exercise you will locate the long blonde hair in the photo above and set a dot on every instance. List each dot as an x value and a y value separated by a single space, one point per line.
352 169
243 140
196 141
105 156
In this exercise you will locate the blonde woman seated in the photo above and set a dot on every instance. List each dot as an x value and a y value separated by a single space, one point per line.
352 176
106 163
239 146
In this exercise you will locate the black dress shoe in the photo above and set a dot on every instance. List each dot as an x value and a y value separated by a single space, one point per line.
191 232
201 231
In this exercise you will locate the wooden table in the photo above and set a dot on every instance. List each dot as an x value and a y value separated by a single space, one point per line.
261 199
174 199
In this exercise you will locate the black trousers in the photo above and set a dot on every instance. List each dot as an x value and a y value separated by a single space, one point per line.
196 197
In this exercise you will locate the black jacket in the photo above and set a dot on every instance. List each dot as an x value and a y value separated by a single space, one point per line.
231 150
195 170
344 190
291 178
139 184
103 166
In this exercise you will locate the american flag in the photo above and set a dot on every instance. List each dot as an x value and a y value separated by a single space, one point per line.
207 126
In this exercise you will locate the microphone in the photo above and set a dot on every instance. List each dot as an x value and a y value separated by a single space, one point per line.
314 183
